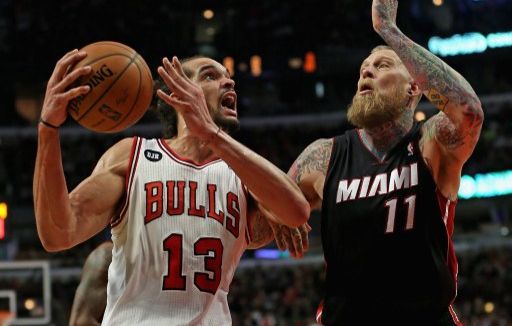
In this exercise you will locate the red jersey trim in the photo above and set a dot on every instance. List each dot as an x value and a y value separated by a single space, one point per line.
132 166
182 160
319 312
454 316
447 210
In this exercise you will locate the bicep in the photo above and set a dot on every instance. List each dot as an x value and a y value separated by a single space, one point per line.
95 200
451 139
310 169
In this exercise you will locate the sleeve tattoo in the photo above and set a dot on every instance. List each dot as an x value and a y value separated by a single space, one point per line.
315 158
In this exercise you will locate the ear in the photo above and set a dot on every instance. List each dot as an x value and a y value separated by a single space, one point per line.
414 89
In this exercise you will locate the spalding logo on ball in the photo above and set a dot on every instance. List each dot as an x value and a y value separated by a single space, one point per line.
121 88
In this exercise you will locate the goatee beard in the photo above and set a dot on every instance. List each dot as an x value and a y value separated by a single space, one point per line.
372 110
230 126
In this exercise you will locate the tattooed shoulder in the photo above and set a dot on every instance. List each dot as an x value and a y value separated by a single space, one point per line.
315 158
442 129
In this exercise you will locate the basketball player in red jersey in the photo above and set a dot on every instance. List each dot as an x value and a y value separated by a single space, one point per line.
388 189
182 209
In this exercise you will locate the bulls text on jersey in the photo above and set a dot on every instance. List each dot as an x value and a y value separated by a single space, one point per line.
175 205
404 177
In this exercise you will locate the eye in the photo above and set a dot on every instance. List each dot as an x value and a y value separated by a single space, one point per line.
209 76
383 65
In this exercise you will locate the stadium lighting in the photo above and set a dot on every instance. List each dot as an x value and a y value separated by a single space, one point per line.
208 14
3 211
468 43
437 2
484 185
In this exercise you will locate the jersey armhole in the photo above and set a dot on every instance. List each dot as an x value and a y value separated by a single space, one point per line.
132 166
248 225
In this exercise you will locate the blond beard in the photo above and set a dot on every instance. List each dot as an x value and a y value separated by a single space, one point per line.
372 110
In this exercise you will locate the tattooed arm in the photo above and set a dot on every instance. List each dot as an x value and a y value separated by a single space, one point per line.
91 295
450 136
309 171
261 232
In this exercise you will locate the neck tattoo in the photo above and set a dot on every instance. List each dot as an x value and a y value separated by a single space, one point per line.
380 140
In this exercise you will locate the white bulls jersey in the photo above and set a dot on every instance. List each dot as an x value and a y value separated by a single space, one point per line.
177 240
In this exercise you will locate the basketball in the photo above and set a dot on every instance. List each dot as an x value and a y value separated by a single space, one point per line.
121 88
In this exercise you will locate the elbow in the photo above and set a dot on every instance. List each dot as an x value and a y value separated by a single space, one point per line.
54 246
53 241
477 113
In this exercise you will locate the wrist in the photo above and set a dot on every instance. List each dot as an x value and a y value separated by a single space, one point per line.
47 124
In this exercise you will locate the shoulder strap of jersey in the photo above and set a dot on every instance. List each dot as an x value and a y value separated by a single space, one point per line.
130 172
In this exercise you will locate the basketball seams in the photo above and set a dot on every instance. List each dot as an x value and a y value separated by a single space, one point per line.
107 89
105 56
119 101
139 89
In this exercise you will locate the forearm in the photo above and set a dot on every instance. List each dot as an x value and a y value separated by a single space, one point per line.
274 190
442 85
51 201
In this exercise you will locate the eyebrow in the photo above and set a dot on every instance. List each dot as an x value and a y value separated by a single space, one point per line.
378 59
210 66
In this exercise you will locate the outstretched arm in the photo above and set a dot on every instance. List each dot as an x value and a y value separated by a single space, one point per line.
449 137
271 187
91 295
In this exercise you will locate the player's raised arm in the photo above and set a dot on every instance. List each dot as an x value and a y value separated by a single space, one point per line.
272 188
64 220
453 133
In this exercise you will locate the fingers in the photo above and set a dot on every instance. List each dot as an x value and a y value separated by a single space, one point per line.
278 236
74 92
71 78
173 100
288 240
174 76
303 229
297 242
63 65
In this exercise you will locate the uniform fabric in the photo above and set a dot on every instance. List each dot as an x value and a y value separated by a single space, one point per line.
386 235
177 240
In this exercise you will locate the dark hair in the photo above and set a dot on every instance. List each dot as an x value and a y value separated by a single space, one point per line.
165 113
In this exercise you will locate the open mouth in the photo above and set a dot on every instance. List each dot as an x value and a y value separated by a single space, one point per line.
228 101
365 88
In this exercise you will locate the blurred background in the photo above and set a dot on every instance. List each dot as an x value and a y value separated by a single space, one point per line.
295 63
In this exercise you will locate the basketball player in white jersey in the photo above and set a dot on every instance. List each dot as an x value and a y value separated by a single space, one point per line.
181 209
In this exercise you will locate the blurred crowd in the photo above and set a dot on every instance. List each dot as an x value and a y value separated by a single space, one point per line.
288 294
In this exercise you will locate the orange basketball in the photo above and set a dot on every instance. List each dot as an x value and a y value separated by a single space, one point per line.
121 88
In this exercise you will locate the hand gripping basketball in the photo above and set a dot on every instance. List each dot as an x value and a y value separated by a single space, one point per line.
58 91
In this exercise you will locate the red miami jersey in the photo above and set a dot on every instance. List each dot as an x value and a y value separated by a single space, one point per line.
177 240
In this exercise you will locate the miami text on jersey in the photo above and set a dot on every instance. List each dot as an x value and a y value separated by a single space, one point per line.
399 178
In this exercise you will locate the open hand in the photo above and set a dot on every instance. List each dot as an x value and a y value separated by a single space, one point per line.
187 98
384 14
294 239
57 94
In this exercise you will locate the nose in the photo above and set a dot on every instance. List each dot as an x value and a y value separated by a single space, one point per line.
228 83
367 72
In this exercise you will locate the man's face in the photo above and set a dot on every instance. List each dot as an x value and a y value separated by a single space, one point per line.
218 89
382 90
